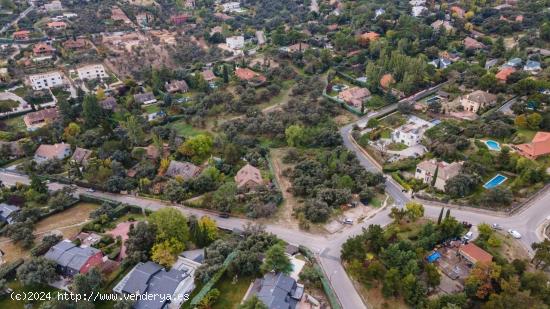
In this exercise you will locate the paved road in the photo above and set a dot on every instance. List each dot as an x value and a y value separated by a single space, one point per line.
506 108
21 15
527 222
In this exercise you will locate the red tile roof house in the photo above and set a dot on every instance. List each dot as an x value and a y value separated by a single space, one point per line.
21 35
539 146
72 260
179 19
502 75
47 152
40 118
354 96
208 75
248 177
474 254
42 49
470 43
250 76
75 44
57 25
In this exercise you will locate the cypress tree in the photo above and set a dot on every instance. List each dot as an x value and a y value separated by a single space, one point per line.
440 216
448 214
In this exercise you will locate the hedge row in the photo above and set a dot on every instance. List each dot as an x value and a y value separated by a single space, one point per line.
210 284
7 270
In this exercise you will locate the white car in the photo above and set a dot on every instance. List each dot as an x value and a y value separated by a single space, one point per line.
90 190
468 235
496 226
514 234
348 221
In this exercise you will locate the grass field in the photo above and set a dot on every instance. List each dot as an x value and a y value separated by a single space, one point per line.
184 129
231 293
526 134
21 91
8 303
149 109
16 124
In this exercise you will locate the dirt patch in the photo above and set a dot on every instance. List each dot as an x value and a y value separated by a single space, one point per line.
374 298
284 215
344 119
511 248
12 251
67 221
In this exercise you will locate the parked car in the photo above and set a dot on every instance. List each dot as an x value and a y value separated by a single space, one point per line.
348 221
468 235
496 226
90 190
224 215
514 234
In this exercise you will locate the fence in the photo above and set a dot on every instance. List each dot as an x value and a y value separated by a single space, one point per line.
210 284
327 287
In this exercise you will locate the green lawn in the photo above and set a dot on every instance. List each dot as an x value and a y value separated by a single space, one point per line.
16 124
397 146
61 94
7 302
183 128
21 91
231 293
526 134
386 133
149 109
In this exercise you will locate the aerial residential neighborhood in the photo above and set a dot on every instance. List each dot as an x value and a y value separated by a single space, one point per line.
281 154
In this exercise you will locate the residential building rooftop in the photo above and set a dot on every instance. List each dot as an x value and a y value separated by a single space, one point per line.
185 170
475 254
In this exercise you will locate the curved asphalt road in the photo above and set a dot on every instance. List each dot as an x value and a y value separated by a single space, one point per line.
528 221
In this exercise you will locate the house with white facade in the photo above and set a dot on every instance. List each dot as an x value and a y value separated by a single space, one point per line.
46 80
442 171
91 71
412 132
53 6
235 42
477 100
233 6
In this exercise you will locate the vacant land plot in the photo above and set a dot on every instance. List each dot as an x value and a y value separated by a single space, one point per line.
67 221
183 128
290 202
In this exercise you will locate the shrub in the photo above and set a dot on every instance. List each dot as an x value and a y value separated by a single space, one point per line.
8 269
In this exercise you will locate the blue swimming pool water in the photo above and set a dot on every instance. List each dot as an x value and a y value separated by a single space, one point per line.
495 181
493 145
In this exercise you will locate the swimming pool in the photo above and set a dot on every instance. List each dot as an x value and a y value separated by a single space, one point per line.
493 145
495 181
